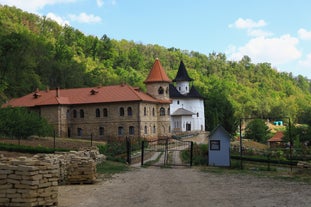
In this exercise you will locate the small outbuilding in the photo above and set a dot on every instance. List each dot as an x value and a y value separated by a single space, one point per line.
219 147
277 140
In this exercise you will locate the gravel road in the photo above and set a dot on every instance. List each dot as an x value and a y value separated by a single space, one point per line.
184 187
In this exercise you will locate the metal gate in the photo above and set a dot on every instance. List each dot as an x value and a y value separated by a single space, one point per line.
166 152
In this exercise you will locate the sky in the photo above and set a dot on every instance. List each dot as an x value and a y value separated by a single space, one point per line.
273 31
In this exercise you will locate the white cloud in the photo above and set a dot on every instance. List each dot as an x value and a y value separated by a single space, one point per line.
251 27
304 34
33 5
276 51
258 33
306 62
100 3
247 24
85 18
58 19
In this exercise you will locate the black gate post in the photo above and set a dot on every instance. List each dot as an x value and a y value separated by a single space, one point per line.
142 153
191 153
128 150
91 139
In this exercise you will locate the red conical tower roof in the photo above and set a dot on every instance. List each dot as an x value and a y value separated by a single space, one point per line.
157 74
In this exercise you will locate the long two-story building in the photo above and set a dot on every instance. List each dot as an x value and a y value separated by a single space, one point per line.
106 112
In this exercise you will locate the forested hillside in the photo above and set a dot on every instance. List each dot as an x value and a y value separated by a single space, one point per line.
36 52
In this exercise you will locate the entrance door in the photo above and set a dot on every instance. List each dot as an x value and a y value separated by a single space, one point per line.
188 127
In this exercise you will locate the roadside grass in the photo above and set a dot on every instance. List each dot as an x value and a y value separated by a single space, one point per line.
108 168
262 171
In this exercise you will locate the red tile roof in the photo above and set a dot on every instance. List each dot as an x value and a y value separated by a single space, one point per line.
107 94
157 74
278 137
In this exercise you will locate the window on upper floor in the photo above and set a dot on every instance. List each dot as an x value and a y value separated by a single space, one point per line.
121 112
162 111
81 113
74 113
160 90
145 111
105 112
129 111
97 113
153 112
146 130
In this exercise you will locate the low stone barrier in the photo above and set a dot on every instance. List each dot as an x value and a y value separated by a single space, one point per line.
28 182
303 164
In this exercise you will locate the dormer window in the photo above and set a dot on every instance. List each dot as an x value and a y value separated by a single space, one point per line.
36 95
93 92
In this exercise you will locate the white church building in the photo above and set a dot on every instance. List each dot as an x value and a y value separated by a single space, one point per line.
187 107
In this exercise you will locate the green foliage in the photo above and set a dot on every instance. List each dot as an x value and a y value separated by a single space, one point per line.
36 52
257 130
200 152
22 123
28 149
110 167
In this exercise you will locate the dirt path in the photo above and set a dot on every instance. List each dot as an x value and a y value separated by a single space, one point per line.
178 187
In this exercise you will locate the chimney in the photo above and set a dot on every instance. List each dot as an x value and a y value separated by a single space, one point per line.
57 92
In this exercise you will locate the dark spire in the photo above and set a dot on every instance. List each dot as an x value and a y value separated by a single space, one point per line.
182 74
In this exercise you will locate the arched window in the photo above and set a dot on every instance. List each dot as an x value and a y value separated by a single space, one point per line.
129 111
81 113
131 130
74 113
162 111
153 112
105 112
168 111
146 130
101 131
178 102
120 131
97 113
160 90
154 129
121 111
166 91
198 114
145 111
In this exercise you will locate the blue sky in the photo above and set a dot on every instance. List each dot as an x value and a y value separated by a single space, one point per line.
273 31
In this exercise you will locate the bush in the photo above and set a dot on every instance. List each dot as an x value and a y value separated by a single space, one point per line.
199 156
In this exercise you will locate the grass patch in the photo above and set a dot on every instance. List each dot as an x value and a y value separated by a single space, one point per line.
261 171
28 149
111 167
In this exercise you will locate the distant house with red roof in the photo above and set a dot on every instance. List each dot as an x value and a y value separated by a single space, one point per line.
106 112
276 140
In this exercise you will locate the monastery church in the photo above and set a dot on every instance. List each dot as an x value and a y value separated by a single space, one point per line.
108 112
